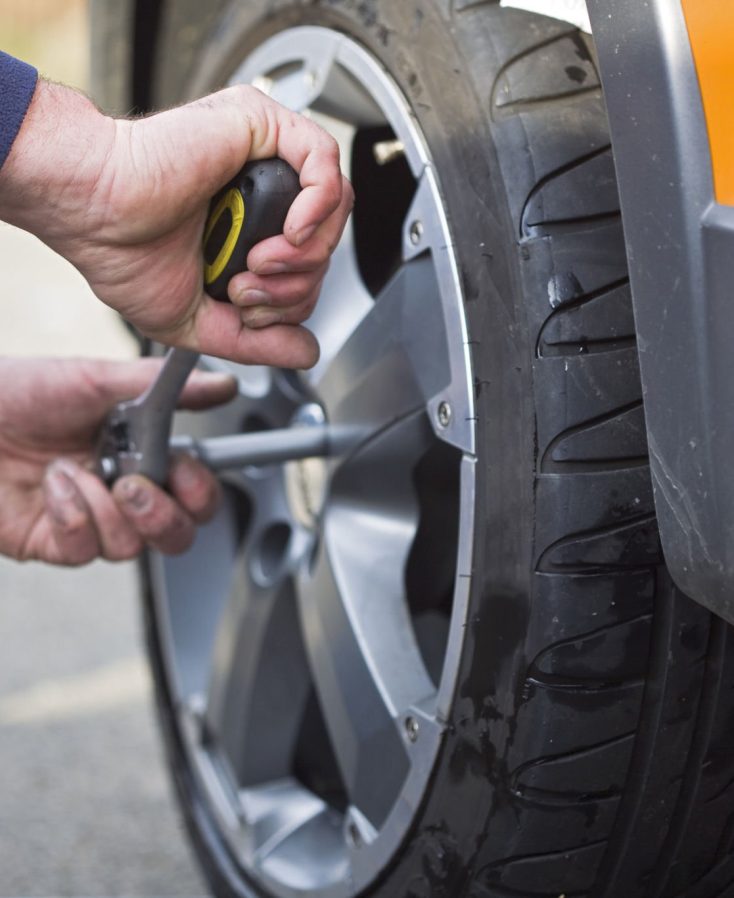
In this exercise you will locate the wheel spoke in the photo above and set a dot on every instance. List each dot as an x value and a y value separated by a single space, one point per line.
290 825
258 679
343 303
359 638
274 811
396 359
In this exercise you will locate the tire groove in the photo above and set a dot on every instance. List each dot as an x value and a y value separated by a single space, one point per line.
551 682
523 54
589 634
705 720
568 225
567 755
565 855
583 468
722 791
587 347
643 753
600 532
507 110
589 424
557 173
582 300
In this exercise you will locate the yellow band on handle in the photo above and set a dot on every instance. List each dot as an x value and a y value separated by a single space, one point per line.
234 202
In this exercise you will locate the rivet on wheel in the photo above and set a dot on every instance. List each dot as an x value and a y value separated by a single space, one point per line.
412 728
416 232
444 414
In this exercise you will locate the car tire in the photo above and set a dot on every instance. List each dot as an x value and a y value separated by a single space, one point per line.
587 749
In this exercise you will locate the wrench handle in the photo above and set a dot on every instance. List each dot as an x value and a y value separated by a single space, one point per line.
251 208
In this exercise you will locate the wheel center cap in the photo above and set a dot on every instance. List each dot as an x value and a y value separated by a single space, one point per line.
306 480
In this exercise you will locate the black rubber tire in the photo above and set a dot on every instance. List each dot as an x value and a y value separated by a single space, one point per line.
590 747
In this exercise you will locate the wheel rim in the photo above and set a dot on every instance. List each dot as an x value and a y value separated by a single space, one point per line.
311 638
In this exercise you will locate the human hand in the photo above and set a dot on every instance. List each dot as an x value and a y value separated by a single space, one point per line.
126 203
52 507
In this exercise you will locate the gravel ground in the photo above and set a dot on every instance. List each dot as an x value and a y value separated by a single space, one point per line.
85 804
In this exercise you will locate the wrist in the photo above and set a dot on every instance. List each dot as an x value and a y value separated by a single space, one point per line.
55 165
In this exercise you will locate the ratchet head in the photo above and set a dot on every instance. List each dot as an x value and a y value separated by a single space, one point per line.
134 438
133 441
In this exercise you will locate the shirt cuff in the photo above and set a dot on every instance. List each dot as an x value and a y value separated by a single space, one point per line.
17 85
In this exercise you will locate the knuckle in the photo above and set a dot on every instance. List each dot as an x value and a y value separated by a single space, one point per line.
178 538
124 548
331 145
348 195
163 521
73 524
79 554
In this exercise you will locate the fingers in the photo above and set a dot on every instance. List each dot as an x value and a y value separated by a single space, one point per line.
278 255
161 522
195 488
268 315
220 331
83 519
287 300
87 521
312 152
206 389
117 381
281 291
167 522
284 281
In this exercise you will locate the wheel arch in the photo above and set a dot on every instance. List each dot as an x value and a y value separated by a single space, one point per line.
680 245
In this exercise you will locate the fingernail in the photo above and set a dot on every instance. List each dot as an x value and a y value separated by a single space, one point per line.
305 234
60 485
271 268
260 317
187 474
135 495
252 297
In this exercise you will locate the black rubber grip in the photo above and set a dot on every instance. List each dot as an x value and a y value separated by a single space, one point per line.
251 208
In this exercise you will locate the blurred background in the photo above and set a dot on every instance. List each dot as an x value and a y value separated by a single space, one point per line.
85 802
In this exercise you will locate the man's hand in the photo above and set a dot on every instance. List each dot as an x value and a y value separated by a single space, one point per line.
52 507
126 203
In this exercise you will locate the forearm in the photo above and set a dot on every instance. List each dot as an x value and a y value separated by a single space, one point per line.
55 163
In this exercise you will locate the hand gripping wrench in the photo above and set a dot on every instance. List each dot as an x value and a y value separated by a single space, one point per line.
136 436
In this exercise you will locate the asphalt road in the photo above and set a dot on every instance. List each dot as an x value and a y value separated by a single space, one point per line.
85 803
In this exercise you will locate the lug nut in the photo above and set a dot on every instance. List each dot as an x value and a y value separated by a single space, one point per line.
444 414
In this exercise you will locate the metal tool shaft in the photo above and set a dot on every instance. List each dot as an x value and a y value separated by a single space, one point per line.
261 448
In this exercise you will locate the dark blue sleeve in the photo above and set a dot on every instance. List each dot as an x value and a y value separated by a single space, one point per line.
17 84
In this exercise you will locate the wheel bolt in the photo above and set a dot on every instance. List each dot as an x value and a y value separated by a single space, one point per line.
416 232
444 414
412 728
